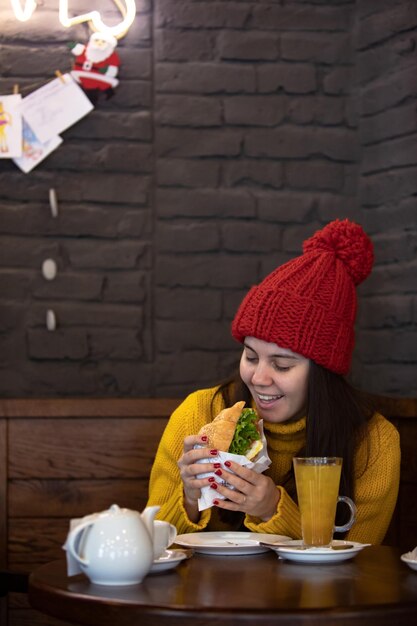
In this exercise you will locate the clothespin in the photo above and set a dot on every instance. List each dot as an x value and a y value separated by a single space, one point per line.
53 202
60 76
15 89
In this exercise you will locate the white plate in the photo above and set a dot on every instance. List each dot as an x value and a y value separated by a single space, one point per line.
409 560
227 543
319 555
169 560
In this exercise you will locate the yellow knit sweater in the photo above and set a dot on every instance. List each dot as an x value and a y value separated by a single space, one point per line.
376 488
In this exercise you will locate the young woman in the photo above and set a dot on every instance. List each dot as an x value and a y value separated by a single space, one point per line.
297 332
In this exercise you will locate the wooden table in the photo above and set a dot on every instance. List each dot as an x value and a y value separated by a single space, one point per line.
375 588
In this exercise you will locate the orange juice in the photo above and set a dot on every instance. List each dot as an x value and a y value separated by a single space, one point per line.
317 480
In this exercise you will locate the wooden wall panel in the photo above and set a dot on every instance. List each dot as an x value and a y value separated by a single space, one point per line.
73 498
83 448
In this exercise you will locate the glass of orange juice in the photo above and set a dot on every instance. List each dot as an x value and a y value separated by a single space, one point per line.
317 480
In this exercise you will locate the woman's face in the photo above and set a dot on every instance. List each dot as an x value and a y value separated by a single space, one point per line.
277 379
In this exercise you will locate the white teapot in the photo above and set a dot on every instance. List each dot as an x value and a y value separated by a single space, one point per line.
114 547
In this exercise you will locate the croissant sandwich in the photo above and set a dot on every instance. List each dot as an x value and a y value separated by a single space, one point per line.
234 430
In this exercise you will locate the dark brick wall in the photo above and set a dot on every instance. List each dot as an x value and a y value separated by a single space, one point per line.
237 130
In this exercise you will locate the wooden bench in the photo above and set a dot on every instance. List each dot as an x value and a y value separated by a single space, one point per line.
64 458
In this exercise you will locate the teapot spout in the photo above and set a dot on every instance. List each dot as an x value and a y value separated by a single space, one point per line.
148 516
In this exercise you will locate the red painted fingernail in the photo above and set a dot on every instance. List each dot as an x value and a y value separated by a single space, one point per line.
204 438
216 465
216 502
218 472
213 452
213 486
228 464
211 479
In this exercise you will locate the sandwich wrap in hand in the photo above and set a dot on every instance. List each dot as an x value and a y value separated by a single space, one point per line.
237 434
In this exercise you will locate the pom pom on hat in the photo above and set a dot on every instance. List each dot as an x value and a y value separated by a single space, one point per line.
309 304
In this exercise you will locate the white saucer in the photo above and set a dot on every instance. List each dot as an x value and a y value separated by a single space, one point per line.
227 543
409 560
319 555
169 560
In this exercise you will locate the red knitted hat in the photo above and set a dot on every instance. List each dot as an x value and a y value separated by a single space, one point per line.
309 304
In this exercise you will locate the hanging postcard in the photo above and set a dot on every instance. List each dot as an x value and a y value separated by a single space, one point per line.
33 151
55 107
10 126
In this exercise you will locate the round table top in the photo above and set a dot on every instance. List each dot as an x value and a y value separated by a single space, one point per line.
375 587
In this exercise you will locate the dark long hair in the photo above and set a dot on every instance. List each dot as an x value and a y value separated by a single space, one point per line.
337 417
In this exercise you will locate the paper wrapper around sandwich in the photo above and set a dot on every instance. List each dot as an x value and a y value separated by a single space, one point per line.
262 461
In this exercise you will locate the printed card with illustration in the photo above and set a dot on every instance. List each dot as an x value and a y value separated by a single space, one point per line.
33 151
56 106
10 126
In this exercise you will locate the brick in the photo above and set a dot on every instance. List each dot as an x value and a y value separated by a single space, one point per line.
291 78
106 156
205 78
198 143
387 345
133 94
395 381
187 173
294 236
329 48
283 142
251 237
188 14
135 64
301 18
386 219
284 207
23 252
66 284
254 110
391 186
396 246
179 110
388 311
253 172
205 203
81 187
188 237
14 58
401 152
205 270
126 287
390 92
188 335
384 59
195 365
173 45
316 109
68 344
188 304
248 46
390 279
338 81
132 125
108 255
16 283
318 175
379 26
386 124
89 314
117 344
12 315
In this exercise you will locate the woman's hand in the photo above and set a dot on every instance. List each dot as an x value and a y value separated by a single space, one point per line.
253 494
189 468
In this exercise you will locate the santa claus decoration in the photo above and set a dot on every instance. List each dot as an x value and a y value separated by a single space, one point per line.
96 66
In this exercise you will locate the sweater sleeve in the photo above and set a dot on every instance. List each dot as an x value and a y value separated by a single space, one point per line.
165 485
286 520
377 481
